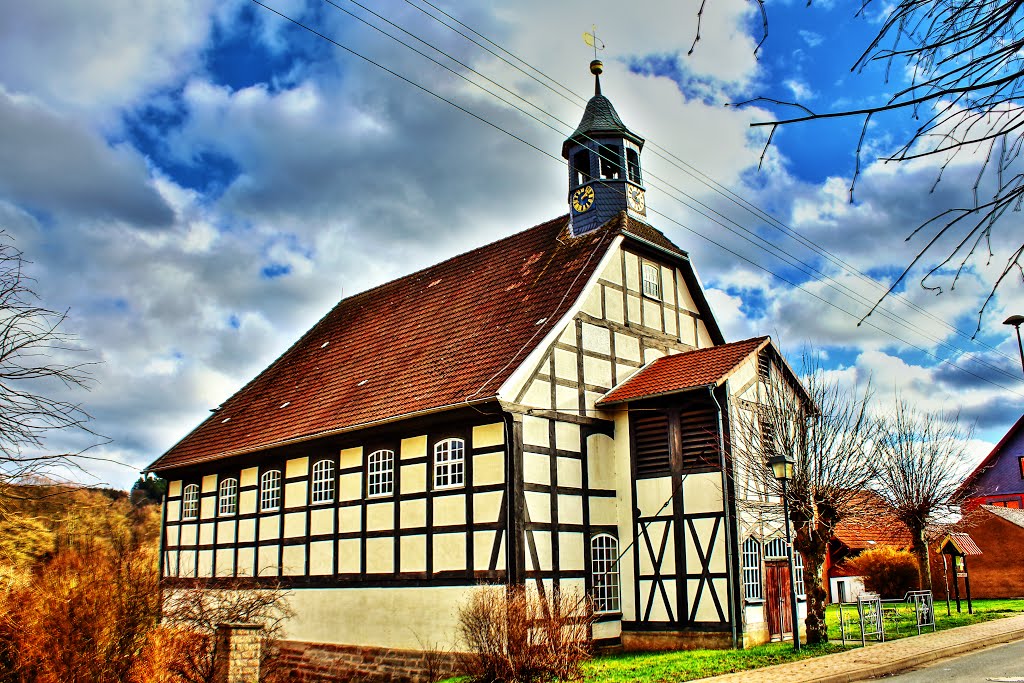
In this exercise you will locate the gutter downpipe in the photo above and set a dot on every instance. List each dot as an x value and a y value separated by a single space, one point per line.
734 617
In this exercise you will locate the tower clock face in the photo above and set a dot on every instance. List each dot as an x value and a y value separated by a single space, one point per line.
635 198
583 199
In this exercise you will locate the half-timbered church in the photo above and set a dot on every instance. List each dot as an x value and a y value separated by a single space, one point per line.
556 408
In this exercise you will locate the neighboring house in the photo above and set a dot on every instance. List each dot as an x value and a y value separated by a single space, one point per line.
998 532
549 409
999 479
872 524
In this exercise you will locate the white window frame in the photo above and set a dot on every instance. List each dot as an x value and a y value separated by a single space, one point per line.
604 574
450 463
270 491
651 286
772 548
323 482
227 498
752 589
798 574
380 473
190 502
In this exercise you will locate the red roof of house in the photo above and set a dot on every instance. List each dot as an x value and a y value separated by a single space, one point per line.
684 371
871 523
439 338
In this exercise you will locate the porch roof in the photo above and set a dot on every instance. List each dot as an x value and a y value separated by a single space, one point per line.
685 371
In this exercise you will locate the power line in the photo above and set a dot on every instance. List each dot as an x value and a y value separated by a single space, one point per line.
739 230
560 162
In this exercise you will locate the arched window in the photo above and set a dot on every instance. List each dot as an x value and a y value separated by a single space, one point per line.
270 490
651 276
633 165
604 569
449 463
190 502
776 549
323 482
227 499
380 473
752 569
798 571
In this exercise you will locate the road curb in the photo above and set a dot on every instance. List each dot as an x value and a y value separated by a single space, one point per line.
898 665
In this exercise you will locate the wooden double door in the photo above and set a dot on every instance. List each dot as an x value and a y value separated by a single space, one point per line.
778 610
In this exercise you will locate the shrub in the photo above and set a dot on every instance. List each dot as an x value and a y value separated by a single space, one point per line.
886 571
514 635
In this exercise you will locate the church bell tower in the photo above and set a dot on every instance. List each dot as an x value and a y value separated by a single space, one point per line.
604 165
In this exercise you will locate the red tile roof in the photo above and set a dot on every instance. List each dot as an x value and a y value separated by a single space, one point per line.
435 339
683 371
872 523
962 543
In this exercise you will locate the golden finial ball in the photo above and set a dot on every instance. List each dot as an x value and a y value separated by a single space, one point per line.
596 67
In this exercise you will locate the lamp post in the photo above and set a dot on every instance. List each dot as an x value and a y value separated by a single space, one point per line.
782 468
1016 321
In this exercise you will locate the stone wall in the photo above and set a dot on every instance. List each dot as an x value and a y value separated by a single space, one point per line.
325 663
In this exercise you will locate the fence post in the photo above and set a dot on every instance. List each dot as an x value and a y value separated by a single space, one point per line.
237 653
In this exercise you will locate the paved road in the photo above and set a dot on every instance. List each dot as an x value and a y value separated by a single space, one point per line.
1001 663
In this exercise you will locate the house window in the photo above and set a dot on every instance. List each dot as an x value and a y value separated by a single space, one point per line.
380 473
581 167
227 498
604 567
270 490
449 463
323 482
752 569
1020 464
633 165
190 502
611 164
652 280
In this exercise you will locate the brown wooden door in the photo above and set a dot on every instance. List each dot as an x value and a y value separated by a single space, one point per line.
777 606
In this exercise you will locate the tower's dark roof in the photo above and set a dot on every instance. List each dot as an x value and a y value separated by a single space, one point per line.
599 119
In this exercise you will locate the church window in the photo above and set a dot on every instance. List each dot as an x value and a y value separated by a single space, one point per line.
633 165
798 573
380 473
611 162
776 549
449 463
227 498
752 569
190 502
270 490
604 567
581 167
652 280
323 482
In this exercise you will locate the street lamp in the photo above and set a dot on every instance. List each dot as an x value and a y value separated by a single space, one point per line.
782 468
1016 320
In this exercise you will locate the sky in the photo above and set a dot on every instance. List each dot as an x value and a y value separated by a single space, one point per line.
198 182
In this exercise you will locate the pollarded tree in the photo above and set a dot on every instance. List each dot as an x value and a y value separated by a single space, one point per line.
920 465
32 342
832 442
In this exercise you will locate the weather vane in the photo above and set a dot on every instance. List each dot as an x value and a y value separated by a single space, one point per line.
593 41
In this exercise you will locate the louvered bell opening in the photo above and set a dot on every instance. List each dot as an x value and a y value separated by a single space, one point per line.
764 366
699 431
650 444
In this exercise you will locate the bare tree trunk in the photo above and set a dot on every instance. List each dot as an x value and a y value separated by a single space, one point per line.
921 552
812 544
